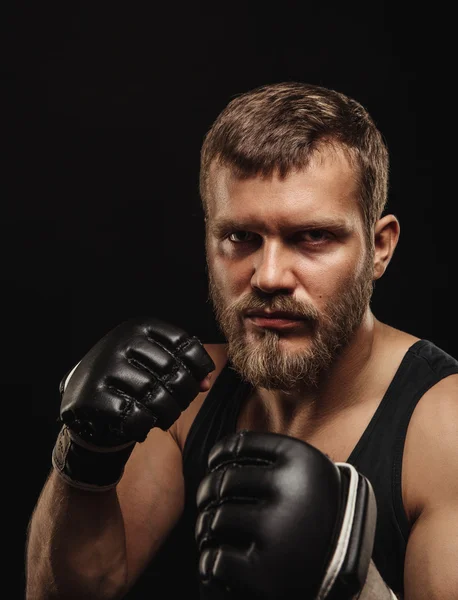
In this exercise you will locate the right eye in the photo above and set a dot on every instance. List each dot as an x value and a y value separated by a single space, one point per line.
239 237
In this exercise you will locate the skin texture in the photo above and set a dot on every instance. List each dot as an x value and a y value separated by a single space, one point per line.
331 384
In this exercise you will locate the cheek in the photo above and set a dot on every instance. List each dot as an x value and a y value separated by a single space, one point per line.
228 277
324 281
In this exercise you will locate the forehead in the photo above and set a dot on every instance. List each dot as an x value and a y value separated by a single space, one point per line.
328 185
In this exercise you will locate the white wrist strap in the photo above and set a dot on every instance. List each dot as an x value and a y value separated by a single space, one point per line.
341 548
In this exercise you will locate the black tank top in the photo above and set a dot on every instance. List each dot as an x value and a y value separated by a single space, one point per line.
377 455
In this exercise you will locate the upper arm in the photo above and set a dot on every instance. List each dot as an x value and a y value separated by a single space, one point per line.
431 472
151 497
431 567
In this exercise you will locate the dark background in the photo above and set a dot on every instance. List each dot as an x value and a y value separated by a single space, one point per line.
104 110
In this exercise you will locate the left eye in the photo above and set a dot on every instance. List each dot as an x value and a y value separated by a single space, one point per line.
243 236
314 235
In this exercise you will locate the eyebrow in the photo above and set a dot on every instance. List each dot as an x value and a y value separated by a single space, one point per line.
219 227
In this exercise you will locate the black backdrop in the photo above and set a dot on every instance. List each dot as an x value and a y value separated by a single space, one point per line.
105 108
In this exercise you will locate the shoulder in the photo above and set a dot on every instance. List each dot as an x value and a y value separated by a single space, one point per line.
181 427
430 460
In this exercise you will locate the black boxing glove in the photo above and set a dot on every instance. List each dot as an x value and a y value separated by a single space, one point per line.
277 519
142 374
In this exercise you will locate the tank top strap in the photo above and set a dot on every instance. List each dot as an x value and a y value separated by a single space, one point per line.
423 365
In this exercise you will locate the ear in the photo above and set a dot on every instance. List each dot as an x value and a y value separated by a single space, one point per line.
386 236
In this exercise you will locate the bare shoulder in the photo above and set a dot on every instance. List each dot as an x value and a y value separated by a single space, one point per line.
430 464
180 429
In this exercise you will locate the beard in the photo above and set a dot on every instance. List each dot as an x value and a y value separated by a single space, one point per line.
263 362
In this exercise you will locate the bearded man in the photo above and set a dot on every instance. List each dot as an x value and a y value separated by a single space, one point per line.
312 455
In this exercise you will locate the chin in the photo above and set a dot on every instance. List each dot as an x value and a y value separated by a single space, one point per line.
282 340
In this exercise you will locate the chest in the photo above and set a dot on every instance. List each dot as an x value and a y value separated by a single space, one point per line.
335 435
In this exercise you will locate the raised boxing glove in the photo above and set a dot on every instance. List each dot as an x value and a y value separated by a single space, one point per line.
140 375
277 519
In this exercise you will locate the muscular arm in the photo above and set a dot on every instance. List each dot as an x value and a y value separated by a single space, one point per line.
70 531
88 545
431 486
94 545
432 557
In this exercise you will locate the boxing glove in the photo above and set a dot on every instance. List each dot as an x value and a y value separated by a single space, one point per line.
278 519
140 375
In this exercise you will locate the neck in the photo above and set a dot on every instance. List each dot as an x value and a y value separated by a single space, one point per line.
341 387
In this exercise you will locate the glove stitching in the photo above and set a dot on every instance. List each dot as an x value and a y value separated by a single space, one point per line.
187 342
173 355
213 505
179 350
240 462
177 362
130 400
159 380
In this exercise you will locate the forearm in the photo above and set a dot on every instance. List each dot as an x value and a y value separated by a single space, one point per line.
76 545
375 588
137 378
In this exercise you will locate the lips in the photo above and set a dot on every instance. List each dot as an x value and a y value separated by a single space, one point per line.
280 314
279 320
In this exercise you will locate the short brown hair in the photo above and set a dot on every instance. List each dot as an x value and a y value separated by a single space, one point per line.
278 127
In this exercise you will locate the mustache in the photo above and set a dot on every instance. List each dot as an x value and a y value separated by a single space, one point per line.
277 303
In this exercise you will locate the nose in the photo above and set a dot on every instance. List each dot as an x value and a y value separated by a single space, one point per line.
273 269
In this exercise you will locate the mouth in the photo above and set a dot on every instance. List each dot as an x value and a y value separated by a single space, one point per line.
280 320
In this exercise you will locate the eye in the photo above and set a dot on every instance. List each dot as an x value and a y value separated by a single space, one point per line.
315 236
239 237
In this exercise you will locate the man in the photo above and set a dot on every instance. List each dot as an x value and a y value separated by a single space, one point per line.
313 405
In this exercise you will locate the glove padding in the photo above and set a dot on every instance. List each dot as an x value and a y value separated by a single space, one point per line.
141 375
278 519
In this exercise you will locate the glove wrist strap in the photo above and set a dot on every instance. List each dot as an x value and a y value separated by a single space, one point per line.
375 588
88 467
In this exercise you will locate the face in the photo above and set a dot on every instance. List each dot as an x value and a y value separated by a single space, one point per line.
290 273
